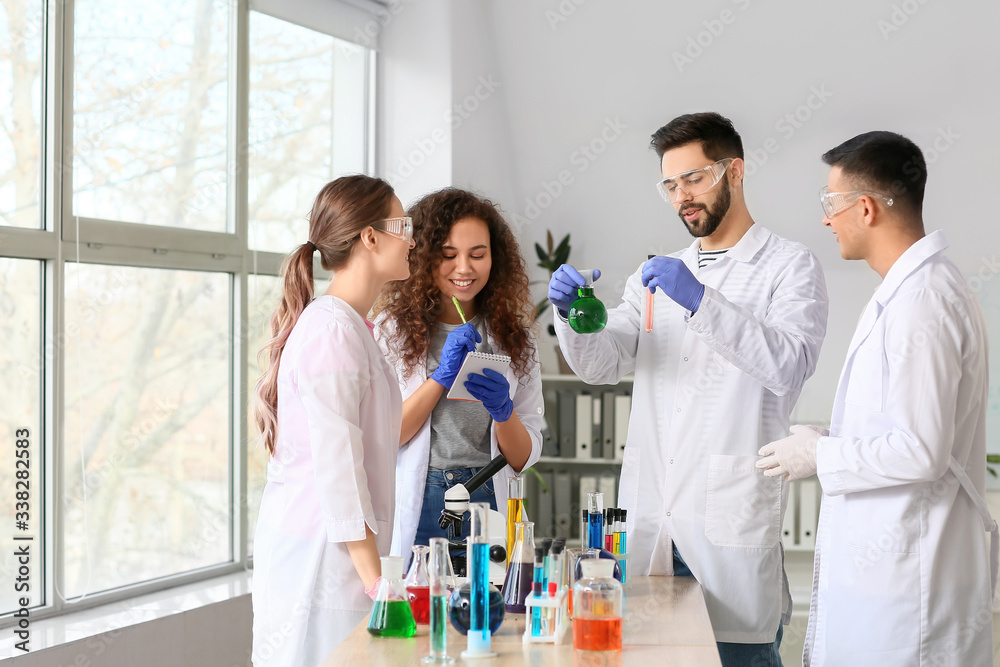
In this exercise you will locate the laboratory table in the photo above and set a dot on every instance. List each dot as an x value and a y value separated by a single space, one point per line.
665 621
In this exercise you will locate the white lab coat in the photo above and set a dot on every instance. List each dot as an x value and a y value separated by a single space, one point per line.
332 473
710 389
414 456
902 572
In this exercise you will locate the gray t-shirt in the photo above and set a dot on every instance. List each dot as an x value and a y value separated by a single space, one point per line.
460 430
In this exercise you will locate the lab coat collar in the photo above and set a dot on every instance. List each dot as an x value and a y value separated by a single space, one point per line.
744 250
909 262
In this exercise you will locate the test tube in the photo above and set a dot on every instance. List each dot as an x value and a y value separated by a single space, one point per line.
623 541
546 578
609 528
478 554
536 592
616 540
649 305
439 576
595 507
584 527
556 580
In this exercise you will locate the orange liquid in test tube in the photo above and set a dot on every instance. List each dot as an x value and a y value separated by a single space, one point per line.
649 306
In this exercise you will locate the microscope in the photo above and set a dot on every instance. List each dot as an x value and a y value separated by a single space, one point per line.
456 504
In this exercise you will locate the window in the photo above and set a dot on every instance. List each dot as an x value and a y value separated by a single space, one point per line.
150 91
146 471
21 40
21 419
136 289
263 295
308 98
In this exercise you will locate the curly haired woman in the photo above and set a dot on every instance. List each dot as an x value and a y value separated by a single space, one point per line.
464 248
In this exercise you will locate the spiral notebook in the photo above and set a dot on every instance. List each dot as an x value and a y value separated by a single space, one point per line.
475 362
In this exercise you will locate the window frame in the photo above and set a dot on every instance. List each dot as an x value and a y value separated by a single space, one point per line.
63 238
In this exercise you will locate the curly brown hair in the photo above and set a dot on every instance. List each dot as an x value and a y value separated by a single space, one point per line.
504 302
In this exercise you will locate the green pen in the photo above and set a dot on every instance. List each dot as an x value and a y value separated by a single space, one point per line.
458 307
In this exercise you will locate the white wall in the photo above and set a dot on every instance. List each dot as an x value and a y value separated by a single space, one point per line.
571 70
415 66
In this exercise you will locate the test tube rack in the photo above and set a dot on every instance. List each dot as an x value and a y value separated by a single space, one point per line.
558 627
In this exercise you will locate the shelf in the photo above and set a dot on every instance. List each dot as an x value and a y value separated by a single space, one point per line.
552 377
575 461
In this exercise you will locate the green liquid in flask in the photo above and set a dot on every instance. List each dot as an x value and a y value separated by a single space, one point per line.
392 618
587 314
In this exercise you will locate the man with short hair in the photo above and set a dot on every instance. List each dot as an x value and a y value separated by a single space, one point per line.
902 573
738 320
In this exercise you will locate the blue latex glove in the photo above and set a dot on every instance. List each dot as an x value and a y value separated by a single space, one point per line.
459 343
563 285
675 279
493 390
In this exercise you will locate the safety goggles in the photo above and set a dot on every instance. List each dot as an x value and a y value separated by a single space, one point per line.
693 183
401 228
835 202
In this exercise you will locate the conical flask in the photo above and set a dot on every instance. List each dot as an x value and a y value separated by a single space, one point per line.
418 585
391 614
517 584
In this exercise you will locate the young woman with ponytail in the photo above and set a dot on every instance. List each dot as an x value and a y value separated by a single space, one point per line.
329 409
464 249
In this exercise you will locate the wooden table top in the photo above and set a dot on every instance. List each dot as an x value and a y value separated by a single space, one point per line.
665 619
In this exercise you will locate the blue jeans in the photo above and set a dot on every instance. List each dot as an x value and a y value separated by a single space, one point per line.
738 655
439 481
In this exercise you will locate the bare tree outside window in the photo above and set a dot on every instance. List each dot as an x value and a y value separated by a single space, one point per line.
20 112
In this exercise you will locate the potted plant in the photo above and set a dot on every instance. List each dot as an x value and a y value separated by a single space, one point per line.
551 258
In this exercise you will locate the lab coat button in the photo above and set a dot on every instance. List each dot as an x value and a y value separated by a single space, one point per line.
678 409
668 513
671 461
685 358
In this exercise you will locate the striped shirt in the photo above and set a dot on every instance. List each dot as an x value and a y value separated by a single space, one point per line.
706 257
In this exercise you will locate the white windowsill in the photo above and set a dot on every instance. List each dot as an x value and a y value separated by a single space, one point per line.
77 625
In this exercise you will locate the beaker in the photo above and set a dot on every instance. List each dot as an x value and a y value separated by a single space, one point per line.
587 314
391 614
439 579
515 508
597 608
417 584
520 570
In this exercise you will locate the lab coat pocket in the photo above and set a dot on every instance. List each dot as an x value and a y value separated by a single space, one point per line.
864 389
874 604
742 506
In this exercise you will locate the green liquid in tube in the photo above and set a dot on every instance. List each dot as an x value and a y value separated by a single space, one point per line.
439 623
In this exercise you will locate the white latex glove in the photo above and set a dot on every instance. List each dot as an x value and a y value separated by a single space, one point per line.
793 457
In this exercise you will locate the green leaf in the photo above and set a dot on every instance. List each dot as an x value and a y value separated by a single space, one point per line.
563 246
541 255
561 258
